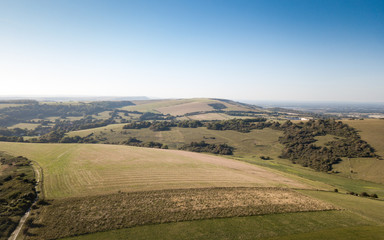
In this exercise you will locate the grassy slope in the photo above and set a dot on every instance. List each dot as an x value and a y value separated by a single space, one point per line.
182 106
92 169
152 105
370 169
348 225
250 146
29 126
370 130
13 205
361 219
333 180
256 227
255 143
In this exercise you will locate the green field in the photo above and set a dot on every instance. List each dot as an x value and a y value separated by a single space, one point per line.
255 227
338 181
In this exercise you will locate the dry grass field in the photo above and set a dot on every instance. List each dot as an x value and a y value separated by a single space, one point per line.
29 126
152 105
7 105
75 216
361 218
182 106
91 169
211 116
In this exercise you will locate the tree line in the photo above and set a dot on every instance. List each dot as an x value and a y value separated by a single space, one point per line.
132 141
223 149
13 115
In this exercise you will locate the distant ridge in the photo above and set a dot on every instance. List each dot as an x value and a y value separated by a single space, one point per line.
75 98
253 106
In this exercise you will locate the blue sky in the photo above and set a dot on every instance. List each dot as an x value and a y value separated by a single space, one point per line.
297 50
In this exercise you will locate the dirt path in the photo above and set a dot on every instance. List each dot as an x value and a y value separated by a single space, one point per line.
16 233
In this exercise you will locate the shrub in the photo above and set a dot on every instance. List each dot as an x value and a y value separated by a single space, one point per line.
29 222
8 178
42 202
364 194
374 195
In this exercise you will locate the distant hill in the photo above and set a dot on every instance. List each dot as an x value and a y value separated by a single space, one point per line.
75 98
197 108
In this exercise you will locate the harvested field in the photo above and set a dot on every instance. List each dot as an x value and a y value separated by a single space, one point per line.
182 109
29 126
72 170
211 116
68 217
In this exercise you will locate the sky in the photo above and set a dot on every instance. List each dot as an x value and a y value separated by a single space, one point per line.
278 50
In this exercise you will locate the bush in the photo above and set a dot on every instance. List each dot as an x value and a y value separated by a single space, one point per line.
42 202
29 222
364 194
374 195
202 146
8 178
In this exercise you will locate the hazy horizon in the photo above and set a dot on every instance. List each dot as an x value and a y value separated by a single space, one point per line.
117 98
295 51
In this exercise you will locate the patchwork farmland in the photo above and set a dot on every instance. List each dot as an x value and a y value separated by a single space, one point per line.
116 191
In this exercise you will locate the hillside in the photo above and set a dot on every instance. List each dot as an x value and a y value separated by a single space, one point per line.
82 182
370 169
271 166
72 170
92 187
197 108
